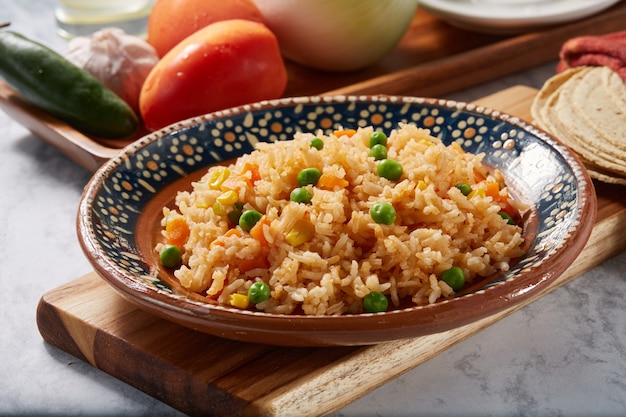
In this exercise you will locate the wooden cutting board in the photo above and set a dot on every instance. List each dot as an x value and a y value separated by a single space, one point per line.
204 375
432 59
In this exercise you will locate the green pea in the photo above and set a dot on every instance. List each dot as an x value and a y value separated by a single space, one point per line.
454 277
235 213
383 213
248 219
317 143
379 152
390 169
378 138
465 188
507 217
375 302
258 292
170 256
301 195
309 176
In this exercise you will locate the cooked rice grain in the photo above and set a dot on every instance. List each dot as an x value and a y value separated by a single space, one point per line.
348 255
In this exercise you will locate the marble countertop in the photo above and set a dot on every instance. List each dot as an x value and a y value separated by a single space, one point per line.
563 355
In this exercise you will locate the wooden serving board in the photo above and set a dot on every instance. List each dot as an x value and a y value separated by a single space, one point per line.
433 59
204 375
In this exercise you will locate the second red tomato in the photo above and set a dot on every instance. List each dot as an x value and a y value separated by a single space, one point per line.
225 64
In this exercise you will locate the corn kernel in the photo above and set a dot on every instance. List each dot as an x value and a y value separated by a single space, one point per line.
228 198
218 209
422 185
201 203
239 300
477 192
218 177
302 232
425 142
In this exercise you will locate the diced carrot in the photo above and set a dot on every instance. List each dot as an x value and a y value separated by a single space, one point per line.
508 209
253 169
344 132
329 182
493 191
248 264
479 176
231 183
232 232
177 231
229 232
257 231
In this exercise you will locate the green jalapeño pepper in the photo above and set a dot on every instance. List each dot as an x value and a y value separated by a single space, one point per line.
49 81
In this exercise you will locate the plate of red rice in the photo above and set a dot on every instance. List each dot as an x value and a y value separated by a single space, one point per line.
341 220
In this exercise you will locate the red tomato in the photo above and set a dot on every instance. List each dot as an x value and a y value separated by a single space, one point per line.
225 64
171 21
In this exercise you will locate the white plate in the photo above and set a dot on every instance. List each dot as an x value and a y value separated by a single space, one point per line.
512 16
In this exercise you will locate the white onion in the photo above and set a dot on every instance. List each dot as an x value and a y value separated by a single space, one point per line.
337 35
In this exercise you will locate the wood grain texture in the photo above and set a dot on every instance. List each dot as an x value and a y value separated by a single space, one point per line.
204 375
435 58
84 150
478 63
432 59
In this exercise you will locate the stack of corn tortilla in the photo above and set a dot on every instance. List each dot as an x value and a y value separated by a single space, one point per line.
585 108
584 104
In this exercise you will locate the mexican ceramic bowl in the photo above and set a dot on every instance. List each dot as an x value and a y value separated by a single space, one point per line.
120 212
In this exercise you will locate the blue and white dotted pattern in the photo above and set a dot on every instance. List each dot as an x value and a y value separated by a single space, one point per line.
532 163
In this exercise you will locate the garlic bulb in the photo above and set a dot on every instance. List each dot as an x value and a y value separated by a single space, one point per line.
118 60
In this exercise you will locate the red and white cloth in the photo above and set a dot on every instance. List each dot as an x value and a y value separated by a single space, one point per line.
603 50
